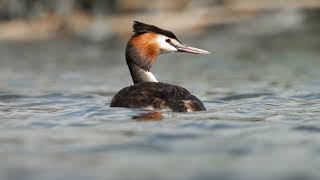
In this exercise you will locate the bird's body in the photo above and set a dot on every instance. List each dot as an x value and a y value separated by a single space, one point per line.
141 53
157 95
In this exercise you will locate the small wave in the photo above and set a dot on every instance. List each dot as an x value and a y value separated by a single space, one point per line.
244 96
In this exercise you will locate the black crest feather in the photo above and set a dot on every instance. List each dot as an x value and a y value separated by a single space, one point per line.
140 28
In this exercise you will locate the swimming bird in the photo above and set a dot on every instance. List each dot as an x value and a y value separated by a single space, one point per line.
143 48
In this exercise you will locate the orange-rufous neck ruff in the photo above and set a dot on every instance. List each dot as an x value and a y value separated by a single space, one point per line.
146 46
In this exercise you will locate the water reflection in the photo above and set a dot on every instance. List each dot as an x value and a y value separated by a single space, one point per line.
148 116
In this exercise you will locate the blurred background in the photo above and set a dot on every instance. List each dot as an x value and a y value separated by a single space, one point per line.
61 62
61 37
99 20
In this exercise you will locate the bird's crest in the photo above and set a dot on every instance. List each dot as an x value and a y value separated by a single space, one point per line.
140 28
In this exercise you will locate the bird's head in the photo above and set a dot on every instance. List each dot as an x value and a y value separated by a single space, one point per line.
149 41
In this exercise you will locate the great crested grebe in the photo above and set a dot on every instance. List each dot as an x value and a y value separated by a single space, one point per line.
142 51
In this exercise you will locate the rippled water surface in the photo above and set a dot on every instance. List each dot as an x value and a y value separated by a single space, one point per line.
262 96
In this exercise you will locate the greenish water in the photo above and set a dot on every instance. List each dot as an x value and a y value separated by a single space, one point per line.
262 93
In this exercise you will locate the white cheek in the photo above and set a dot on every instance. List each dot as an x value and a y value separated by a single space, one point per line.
164 46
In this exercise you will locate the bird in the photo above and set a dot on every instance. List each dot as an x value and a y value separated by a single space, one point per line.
142 50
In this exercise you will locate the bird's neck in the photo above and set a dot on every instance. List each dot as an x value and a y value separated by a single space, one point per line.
139 65
139 74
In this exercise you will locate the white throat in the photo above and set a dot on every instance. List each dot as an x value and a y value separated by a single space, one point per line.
150 77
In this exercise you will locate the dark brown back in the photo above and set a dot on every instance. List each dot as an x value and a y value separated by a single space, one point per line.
158 95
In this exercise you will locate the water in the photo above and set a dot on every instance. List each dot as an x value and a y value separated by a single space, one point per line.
262 122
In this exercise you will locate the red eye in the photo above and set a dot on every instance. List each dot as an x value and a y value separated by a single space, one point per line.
168 40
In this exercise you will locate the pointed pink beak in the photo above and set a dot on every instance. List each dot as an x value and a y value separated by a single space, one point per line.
188 49
192 50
